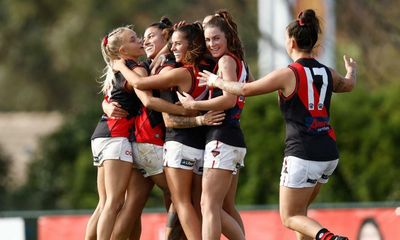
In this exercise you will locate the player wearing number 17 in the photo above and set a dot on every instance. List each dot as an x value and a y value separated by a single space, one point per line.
305 88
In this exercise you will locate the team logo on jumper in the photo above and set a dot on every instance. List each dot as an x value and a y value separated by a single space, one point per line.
188 163
215 153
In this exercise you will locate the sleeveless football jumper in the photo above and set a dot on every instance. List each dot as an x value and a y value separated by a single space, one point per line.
309 134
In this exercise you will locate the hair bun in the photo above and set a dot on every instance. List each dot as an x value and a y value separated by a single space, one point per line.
166 21
308 17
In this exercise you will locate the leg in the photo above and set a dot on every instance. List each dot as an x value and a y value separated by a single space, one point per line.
116 176
229 202
137 194
92 223
213 195
196 193
179 183
313 196
230 228
161 182
137 229
173 229
293 205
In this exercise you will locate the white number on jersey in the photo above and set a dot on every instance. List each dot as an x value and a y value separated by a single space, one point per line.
310 86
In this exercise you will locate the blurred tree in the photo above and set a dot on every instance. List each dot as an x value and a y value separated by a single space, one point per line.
373 26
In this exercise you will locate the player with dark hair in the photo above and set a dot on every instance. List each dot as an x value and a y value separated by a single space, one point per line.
305 89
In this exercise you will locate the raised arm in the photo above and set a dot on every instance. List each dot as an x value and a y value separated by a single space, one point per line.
347 83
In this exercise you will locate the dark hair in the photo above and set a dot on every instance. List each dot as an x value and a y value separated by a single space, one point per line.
165 25
197 45
305 30
224 21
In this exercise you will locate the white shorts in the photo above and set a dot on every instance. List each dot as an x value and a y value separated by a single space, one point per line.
148 158
178 155
223 156
113 148
300 173
198 166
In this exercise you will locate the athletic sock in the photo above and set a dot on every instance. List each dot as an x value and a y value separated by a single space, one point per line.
323 234
337 237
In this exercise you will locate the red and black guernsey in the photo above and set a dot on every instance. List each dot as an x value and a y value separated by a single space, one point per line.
149 124
193 137
124 127
309 134
229 132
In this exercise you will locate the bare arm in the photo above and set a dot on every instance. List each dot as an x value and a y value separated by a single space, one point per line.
347 83
155 103
174 77
281 79
211 118
227 68
113 109
161 105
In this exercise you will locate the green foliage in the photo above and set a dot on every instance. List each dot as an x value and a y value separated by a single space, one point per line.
5 162
59 177
367 125
263 127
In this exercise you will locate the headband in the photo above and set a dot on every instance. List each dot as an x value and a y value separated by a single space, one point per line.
105 40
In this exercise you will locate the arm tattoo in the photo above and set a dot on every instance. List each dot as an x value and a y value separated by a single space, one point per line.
339 84
181 121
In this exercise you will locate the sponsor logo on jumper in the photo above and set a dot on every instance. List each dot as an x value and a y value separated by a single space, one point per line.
188 163
312 180
129 153
317 124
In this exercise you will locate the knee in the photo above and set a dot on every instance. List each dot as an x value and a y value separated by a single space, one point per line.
229 207
114 204
206 204
119 233
286 219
